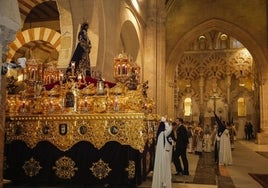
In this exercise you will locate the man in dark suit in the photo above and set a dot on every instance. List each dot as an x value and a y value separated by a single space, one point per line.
180 151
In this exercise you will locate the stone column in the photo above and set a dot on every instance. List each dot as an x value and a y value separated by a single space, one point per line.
66 26
10 23
201 87
164 91
262 136
149 66
154 58
2 119
229 113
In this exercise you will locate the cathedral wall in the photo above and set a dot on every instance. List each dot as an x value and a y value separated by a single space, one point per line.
244 14
245 21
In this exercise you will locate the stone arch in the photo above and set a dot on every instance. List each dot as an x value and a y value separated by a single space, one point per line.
27 9
132 23
214 24
41 33
129 39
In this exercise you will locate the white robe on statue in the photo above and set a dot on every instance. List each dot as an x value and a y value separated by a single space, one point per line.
162 164
225 152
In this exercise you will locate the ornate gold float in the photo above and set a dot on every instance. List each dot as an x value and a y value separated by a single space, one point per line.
75 109
77 122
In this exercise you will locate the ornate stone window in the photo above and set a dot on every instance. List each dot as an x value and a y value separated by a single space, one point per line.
241 107
187 106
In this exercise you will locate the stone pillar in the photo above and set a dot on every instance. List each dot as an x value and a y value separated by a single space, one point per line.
2 119
201 105
66 26
154 58
262 136
10 23
149 66
164 95
229 113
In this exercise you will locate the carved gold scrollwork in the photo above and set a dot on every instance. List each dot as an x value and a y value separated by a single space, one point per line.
22 130
65 168
66 130
31 167
100 169
100 104
131 169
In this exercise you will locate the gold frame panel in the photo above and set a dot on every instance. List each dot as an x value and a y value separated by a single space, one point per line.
64 131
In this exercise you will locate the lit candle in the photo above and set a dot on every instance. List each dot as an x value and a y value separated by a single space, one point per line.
51 103
85 103
73 64
116 106
61 76
79 77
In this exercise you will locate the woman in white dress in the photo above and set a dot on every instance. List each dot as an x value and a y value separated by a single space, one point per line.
162 164
225 151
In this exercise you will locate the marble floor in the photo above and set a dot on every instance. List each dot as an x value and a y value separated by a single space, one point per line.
204 173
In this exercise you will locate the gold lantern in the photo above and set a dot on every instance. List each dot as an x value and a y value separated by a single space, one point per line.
52 75
34 70
124 68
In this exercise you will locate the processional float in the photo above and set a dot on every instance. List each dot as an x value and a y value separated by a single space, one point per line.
65 115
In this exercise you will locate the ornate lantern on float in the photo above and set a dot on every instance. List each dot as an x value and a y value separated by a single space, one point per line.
52 75
124 68
34 70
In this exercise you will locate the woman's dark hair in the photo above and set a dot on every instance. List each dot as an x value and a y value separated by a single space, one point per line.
84 25
180 120
162 127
